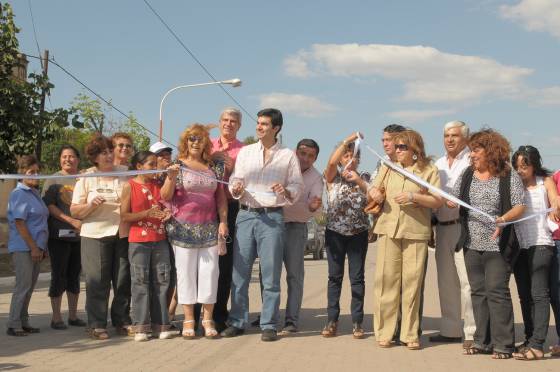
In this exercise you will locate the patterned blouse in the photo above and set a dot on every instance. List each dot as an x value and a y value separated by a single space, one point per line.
345 207
485 195
194 208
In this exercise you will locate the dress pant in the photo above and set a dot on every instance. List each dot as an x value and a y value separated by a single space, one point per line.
27 273
296 239
150 271
489 276
399 273
257 234
532 274
555 286
220 314
453 285
338 247
120 307
66 265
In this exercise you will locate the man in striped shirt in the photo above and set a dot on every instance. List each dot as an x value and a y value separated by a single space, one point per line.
266 177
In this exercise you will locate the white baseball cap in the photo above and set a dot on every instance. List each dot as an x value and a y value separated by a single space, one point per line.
158 147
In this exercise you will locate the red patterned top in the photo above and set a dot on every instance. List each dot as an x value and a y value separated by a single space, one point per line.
142 197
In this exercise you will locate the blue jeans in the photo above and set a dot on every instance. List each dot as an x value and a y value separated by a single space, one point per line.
555 286
262 235
296 238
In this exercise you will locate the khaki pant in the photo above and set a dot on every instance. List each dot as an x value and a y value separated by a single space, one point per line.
398 280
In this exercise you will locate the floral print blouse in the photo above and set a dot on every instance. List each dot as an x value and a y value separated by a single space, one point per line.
345 207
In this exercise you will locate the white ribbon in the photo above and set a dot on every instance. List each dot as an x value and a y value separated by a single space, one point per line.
448 196
357 143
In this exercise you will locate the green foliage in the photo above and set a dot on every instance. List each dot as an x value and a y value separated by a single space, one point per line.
22 123
139 135
76 137
91 112
249 140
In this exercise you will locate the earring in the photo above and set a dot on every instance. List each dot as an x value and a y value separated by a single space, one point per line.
414 157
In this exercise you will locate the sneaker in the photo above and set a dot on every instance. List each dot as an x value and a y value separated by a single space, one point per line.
289 328
139 337
166 335
269 335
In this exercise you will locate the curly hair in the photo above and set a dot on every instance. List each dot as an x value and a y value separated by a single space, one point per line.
497 150
414 141
96 145
196 129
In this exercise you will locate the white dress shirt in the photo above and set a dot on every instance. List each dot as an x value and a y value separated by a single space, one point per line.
313 187
282 166
448 176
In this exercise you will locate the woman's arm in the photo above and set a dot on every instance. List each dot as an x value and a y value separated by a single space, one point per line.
426 200
168 188
330 171
221 200
553 200
61 216
21 227
128 216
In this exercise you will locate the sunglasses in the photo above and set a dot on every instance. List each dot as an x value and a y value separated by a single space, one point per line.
401 147
195 138
126 145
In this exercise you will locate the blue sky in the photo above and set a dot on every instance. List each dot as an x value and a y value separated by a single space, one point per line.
332 67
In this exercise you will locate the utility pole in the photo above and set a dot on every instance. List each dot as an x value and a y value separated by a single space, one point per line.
45 65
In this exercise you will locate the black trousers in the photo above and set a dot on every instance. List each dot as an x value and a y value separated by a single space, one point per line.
532 271
338 247
489 276
66 265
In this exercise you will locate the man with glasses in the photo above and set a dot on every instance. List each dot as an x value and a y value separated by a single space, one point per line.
266 177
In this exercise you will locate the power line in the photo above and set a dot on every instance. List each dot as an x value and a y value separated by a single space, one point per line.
189 52
107 102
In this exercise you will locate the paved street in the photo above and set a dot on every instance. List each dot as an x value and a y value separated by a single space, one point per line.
71 350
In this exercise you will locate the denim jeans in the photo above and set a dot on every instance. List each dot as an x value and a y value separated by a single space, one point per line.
338 247
532 274
489 276
150 270
296 238
555 286
262 235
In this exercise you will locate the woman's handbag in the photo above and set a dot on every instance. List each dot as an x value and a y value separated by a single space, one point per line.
373 207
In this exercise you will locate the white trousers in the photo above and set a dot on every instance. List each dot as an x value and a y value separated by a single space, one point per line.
197 275
453 284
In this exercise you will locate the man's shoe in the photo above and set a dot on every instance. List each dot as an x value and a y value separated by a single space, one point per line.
232 331
441 339
289 328
77 322
269 335
31 329
220 327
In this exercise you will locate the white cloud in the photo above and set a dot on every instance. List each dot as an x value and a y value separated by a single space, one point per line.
297 104
413 116
428 74
535 15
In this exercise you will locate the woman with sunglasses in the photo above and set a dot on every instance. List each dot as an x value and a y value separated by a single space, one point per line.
96 201
198 205
404 228
532 268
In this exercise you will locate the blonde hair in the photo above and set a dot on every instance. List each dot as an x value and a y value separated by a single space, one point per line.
414 141
196 129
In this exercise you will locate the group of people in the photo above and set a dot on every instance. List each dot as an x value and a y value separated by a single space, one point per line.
188 230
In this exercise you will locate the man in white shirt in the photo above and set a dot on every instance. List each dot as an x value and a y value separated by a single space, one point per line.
453 283
295 221
266 177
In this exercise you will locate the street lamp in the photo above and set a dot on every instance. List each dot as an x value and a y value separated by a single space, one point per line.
233 82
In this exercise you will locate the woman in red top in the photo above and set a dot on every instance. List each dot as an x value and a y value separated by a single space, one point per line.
148 250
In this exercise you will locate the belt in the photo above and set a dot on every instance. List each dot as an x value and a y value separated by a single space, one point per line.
448 223
259 210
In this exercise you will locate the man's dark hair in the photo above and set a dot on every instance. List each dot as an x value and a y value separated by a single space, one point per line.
394 128
67 146
274 115
307 142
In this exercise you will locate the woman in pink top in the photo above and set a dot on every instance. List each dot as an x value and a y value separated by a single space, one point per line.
196 200
555 277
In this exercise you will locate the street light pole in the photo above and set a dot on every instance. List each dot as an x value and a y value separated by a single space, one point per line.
233 82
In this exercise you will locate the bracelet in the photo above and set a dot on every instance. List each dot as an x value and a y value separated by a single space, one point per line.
410 196
502 218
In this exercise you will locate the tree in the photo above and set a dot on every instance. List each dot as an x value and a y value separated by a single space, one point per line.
249 140
22 122
91 112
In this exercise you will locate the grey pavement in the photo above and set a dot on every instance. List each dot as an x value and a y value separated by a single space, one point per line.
72 350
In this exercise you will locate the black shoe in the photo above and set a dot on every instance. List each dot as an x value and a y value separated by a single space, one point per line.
232 331
441 339
58 325
256 322
220 327
15 332
77 322
31 329
269 335
289 328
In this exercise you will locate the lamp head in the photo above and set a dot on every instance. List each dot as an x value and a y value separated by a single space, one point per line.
233 82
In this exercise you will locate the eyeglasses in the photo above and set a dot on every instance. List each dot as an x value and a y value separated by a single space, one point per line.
401 147
195 138
126 145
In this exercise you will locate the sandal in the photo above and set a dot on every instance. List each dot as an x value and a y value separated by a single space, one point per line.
385 344
499 355
330 329
473 350
414 345
358 331
210 329
467 344
16 332
188 330
555 350
526 354
98 334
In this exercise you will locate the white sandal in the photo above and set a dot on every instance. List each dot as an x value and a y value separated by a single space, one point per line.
209 329
188 333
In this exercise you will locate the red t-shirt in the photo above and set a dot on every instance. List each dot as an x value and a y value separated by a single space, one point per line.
142 197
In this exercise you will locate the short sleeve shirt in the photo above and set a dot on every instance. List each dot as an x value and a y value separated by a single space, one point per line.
345 207
58 192
26 204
